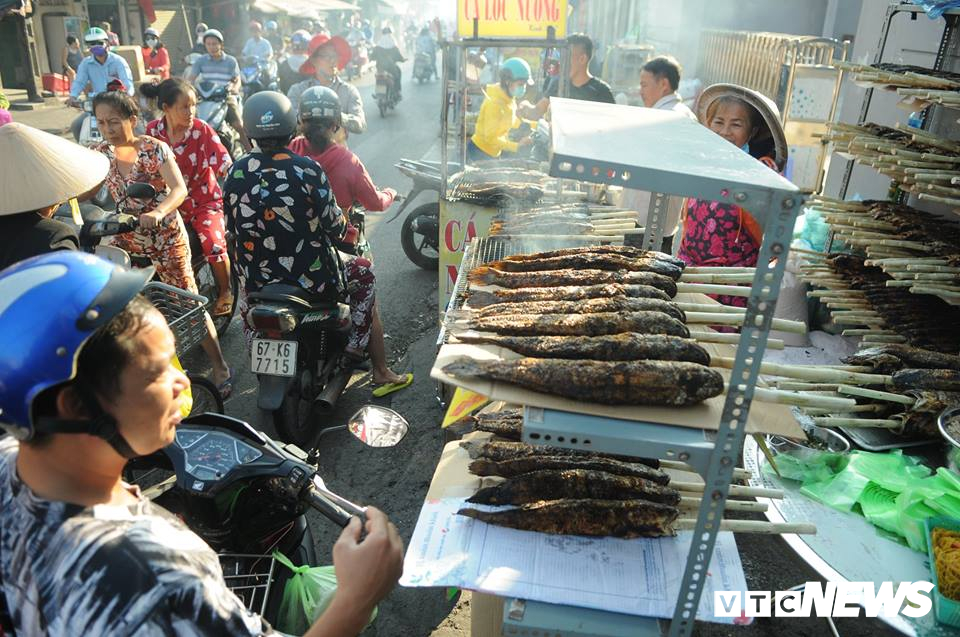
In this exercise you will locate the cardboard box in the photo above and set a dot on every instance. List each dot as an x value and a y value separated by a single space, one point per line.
131 53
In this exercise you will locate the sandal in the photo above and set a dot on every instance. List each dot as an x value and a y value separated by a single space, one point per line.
226 387
223 308
383 389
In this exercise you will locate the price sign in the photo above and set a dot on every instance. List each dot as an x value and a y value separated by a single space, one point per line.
511 18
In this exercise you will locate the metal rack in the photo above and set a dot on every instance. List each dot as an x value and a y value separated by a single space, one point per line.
618 145
951 18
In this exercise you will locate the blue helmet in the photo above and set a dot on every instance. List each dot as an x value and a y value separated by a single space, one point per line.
518 70
49 306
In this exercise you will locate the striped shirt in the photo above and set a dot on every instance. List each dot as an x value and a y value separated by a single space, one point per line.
219 71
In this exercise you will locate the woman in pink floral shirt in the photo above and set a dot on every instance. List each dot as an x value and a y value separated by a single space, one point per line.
161 236
202 158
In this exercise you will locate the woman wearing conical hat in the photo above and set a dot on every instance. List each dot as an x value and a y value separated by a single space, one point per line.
42 172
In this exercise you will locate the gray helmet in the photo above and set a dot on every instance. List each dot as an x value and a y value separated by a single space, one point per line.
320 102
269 114
212 33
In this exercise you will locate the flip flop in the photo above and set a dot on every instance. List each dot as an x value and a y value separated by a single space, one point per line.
223 309
226 387
388 388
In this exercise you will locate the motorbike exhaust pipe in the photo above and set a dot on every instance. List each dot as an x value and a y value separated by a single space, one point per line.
328 397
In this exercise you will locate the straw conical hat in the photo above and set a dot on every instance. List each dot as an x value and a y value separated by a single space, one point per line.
772 132
40 169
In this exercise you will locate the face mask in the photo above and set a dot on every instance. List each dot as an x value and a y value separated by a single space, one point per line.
746 147
98 51
151 42
518 91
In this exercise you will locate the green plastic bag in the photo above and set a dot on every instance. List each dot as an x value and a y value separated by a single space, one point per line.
307 594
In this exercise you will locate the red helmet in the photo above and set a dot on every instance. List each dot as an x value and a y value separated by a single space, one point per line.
256 25
344 53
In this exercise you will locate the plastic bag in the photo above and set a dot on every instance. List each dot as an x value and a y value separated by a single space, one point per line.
307 594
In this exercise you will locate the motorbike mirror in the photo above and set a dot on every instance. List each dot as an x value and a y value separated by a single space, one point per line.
140 190
377 426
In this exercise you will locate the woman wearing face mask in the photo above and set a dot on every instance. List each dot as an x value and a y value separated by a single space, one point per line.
723 234
498 113
156 60
202 158
161 236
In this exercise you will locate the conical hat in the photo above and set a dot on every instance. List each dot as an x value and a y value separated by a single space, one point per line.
40 169
772 131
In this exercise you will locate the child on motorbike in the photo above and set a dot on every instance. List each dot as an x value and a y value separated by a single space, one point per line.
287 224
161 236
202 159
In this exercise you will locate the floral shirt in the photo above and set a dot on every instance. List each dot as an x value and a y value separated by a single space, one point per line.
107 570
284 216
146 169
202 158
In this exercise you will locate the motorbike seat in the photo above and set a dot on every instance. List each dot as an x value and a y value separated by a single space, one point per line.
295 295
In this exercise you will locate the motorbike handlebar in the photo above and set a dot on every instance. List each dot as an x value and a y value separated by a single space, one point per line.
118 225
335 508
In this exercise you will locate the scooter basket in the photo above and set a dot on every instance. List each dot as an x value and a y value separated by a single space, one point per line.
250 577
183 311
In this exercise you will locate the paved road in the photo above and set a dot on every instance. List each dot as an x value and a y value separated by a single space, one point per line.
396 480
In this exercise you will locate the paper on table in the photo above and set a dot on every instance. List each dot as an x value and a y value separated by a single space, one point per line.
637 577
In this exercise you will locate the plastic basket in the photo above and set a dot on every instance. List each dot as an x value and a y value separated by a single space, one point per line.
183 310
250 577
947 611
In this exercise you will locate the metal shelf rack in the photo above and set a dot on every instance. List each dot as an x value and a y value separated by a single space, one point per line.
620 145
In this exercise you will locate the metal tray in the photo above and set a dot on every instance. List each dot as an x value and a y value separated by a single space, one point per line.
876 439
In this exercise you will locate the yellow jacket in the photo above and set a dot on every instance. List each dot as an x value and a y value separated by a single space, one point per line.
498 115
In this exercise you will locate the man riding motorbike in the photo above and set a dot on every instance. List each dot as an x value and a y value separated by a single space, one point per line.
426 45
289 69
288 224
257 46
98 70
388 57
223 70
274 36
86 383
326 57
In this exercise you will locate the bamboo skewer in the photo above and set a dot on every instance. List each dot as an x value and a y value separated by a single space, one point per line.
730 339
738 474
802 400
706 288
809 372
723 318
735 490
876 395
751 526
795 386
835 421
687 503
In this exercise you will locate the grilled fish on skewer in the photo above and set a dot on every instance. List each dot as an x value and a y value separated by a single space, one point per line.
614 518
574 483
626 346
509 428
587 306
505 450
590 261
566 293
526 464
935 379
890 358
628 251
575 324
485 275
616 383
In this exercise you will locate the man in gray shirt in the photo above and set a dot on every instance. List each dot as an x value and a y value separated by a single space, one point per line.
326 57
223 70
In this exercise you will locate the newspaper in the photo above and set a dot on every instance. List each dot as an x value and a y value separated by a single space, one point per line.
637 577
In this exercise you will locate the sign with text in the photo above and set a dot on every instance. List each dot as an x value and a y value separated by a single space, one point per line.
512 18
460 223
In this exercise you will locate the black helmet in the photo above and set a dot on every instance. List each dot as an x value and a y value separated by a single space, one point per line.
320 102
269 114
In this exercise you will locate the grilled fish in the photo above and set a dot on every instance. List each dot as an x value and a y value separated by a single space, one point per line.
587 306
608 383
936 379
591 261
628 251
597 518
626 346
498 450
527 464
509 428
575 324
566 293
888 358
574 483
485 275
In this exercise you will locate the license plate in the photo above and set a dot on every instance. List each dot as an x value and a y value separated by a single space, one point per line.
274 358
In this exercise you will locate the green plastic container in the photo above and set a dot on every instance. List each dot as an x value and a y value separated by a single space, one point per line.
945 610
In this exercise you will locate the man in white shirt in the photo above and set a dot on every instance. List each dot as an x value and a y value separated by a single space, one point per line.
659 81
257 46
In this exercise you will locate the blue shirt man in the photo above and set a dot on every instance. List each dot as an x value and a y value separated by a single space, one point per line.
221 71
100 71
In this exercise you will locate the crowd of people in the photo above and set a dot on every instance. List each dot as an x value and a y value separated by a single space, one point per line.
86 374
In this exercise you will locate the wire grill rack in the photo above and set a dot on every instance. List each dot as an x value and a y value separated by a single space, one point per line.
250 577
183 310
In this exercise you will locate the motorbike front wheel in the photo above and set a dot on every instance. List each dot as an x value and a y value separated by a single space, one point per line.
206 396
383 108
424 251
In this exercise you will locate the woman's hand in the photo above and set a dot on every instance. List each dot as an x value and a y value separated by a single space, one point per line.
153 219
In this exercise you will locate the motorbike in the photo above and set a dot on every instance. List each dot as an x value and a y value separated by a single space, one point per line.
101 217
89 132
420 232
423 67
246 495
257 75
358 62
212 108
386 92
